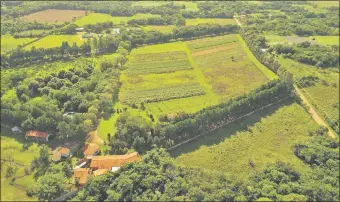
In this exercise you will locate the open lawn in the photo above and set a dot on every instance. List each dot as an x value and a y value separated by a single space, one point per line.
52 16
322 40
264 137
55 41
8 42
160 28
326 3
94 18
149 3
220 21
227 66
327 40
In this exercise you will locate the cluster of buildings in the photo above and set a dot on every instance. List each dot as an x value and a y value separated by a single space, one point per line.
91 164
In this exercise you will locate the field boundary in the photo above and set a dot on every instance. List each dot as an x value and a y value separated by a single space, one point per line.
250 113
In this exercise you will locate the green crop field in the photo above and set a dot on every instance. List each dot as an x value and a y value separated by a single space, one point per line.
36 31
94 18
220 21
8 42
160 28
326 3
56 41
264 137
229 69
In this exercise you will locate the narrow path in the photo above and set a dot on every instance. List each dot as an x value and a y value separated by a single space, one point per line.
93 137
238 22
314 114
203 81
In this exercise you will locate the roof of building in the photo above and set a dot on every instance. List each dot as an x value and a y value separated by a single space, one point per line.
34 133
64 151
90 149
100 172
107 162
82 174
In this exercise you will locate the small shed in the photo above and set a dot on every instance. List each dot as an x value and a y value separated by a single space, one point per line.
16 129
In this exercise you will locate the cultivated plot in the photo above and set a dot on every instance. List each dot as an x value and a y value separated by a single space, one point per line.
9 43
52 16
226 65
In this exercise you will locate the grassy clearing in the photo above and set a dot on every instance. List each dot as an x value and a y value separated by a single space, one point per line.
36 31
52 16
230 149
327 40
223 56
55 41
220 21
8 42
189 6
94 18
324 4
273 39
160 28
149 3
12 145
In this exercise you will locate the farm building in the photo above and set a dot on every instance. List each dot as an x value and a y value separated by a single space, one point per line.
16 129
40 136
68 150
81 174
90 150
113 162
80 29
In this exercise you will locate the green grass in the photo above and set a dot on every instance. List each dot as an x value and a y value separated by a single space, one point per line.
56 41
36 31
94 18
324 4
189 6
160 28
326 40
272 39
149 3
12 145
262 138
220 21
8 42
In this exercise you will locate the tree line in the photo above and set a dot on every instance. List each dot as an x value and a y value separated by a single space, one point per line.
132 37
136 132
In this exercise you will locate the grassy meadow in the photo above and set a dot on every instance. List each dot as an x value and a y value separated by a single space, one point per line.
8 42
160 28
54 16
189 6
56 41
327 40
220 21
12 147
261 138
94 18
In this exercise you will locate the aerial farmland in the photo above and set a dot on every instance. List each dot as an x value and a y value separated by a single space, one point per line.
169 101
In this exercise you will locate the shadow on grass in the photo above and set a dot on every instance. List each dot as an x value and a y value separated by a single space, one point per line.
221 134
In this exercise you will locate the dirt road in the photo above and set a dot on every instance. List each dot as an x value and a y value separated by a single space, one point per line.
314 114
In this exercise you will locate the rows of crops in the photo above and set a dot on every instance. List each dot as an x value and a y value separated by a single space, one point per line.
158 63
207 43
162 93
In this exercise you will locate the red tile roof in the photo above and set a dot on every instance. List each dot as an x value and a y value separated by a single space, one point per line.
82 174
90 149
34 133
107 162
